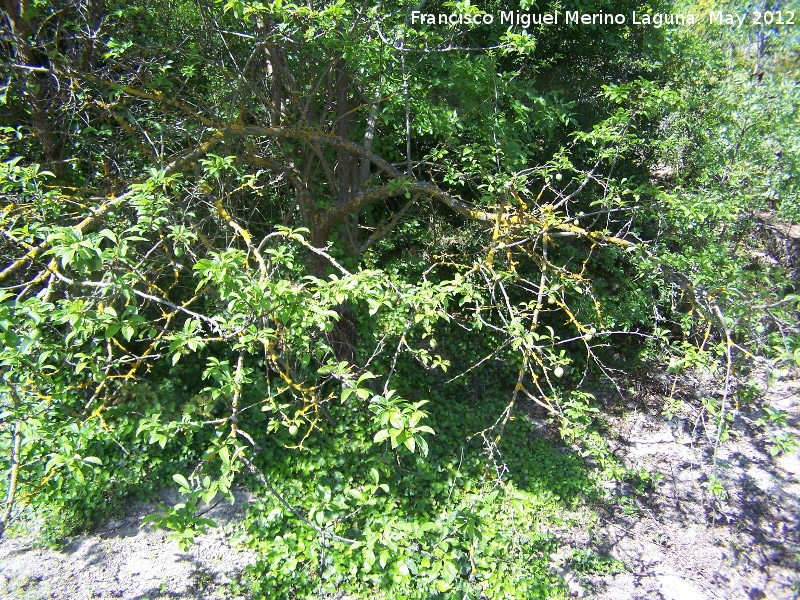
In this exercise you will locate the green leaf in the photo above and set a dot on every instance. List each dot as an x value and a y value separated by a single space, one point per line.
181 481
11 339
423 445
225 455
451 569
357 494
206 522
53 462
127 332
151 518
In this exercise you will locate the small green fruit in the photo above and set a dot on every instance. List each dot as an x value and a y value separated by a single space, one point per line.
293 430
559 177
558 372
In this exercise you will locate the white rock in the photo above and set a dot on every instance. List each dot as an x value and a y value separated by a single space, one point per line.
675 588
790 463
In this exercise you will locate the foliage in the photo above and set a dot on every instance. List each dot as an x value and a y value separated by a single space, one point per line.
250 242
430 527
589 563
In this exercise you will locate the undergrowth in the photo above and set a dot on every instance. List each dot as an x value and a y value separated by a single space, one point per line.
465 522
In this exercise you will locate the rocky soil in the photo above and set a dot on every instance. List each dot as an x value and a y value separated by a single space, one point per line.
680 542
122 560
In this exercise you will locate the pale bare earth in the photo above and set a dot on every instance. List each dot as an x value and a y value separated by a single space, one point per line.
122 560
681 543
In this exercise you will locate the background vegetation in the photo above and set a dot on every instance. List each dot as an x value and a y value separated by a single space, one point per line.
333 257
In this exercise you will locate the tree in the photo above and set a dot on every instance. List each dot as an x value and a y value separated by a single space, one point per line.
293 198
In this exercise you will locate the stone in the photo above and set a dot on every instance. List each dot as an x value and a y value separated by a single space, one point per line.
673 587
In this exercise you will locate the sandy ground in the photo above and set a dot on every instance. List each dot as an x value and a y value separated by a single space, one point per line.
122 560
677 541
681 543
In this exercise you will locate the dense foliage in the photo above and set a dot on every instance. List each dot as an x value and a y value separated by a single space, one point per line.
328 253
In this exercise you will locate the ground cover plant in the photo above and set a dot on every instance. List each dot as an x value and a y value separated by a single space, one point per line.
329 254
